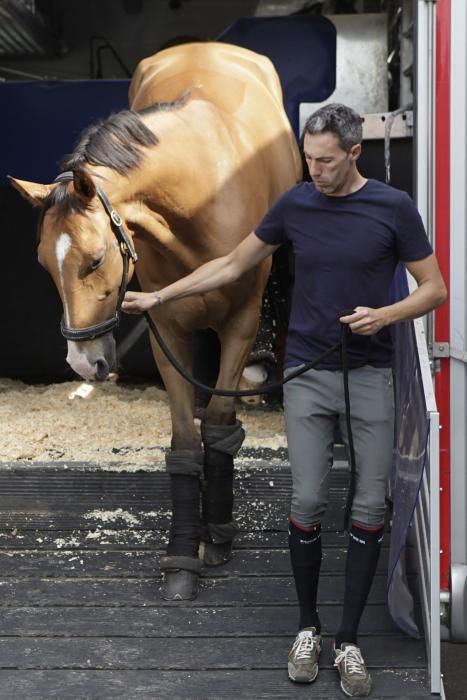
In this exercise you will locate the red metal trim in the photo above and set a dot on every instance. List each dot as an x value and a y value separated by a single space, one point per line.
442 242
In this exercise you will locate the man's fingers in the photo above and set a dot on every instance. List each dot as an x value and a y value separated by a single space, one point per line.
353 318
130 310
131 307
131 296
132 303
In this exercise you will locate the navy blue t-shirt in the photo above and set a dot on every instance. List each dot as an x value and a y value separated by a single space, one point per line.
345 251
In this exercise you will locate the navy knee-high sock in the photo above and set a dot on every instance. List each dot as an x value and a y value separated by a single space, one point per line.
362 559
305 555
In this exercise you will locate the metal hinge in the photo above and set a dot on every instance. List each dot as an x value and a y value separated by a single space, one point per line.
440 350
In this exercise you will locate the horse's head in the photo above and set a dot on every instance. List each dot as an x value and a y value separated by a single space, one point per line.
83 246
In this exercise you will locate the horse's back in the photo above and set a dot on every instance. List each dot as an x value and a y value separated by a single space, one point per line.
217 67
244 88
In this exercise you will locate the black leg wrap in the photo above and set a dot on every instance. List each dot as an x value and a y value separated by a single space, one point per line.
221 443
181 566
218 488
223 438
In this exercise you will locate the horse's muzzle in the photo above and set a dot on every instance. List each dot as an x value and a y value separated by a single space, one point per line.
94 359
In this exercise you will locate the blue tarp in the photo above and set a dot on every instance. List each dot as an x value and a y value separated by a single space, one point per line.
303 51
410 454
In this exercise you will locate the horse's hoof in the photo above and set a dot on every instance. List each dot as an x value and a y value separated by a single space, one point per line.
180 577
216 553
179 585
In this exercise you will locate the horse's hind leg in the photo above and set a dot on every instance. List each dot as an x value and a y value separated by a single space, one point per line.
222 436
221 444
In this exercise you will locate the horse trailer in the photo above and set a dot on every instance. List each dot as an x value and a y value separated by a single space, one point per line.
402 64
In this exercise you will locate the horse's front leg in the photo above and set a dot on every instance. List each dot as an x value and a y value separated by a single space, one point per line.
181 566
223 436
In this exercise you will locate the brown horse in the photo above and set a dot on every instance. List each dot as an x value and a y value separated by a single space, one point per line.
191 169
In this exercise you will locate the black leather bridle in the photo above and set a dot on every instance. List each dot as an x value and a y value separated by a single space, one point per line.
128 252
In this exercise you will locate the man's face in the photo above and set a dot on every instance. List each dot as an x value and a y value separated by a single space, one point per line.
330 167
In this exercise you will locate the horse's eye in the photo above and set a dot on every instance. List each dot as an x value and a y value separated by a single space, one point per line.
97 262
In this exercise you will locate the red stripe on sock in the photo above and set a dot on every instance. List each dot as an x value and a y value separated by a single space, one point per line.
313 528
367 527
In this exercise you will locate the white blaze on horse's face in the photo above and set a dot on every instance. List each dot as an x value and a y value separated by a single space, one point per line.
62 247
79 357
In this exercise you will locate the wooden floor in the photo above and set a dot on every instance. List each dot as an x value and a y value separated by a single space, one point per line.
81 617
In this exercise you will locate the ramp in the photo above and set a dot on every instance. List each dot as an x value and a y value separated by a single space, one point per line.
81 616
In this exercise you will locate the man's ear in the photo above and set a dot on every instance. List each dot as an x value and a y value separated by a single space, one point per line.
34 192
356 151
83 185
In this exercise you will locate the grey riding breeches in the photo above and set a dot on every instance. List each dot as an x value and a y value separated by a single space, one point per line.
313 404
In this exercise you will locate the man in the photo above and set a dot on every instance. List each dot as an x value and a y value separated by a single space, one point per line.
347 234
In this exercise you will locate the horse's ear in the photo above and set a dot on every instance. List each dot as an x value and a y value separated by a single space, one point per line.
83 184
32 191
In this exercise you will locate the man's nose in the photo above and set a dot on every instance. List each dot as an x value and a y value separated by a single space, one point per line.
315 170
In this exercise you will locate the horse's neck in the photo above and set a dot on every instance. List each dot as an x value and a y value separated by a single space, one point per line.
186 136
165 227
169 199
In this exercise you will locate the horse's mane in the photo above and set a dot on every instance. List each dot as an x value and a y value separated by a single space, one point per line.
115 143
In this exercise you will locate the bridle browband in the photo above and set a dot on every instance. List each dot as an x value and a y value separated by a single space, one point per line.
127 250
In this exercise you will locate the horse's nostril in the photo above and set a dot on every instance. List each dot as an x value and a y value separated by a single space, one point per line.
102 369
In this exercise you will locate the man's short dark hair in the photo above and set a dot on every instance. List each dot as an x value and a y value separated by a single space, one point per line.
336 119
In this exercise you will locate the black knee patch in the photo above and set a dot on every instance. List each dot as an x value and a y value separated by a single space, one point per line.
185 469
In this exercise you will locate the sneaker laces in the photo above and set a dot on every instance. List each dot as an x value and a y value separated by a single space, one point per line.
353 660
304 645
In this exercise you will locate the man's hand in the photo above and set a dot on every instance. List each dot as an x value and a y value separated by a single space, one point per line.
365 321
139 302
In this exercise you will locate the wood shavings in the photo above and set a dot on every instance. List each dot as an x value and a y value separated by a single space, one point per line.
117 426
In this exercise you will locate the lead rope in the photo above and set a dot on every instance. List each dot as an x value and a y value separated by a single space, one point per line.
353 469
273 386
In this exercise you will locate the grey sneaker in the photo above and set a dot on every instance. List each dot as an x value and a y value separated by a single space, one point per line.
354 675
304 655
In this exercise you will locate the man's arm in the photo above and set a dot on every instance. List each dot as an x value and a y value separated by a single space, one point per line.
430 293
213 274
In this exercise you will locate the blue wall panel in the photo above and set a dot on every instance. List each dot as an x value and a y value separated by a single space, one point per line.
41 121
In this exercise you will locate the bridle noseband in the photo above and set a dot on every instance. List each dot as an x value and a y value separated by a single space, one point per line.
128 252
